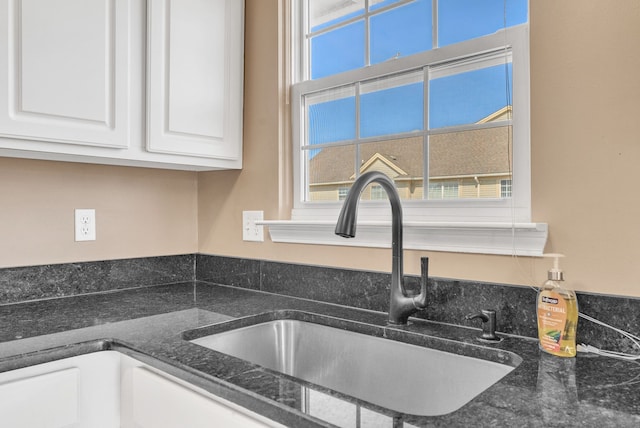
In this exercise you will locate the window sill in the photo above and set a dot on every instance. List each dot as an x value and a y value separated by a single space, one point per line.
522 239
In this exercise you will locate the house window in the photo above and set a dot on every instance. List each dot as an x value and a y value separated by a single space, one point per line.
377 192
505 188
443 190
434 94
372 92
342 193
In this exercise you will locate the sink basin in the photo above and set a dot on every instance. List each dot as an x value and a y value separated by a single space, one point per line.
329 352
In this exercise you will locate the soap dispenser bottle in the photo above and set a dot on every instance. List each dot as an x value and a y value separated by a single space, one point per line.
557 309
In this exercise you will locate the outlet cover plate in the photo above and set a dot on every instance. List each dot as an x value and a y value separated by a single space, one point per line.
85 224
250 230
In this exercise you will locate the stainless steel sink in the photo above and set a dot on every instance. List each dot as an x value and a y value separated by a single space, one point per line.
399 376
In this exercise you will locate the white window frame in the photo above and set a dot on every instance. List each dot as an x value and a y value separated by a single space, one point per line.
488 226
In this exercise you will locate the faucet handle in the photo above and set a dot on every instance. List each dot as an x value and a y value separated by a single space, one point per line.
420 301
488 317
424 274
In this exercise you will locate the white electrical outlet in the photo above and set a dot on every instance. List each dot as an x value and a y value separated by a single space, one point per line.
250 230
85 225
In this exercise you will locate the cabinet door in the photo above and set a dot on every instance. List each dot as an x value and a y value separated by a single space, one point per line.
47 400
81 391
159 402
64 71
195 77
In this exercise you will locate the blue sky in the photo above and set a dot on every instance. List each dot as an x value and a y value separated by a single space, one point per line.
408 30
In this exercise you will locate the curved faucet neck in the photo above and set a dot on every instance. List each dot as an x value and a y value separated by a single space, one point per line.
400 304
346 225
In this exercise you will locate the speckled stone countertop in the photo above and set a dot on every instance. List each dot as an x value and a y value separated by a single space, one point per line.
149 324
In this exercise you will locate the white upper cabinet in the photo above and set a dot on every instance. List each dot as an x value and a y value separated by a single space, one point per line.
65 73
195 57
77 76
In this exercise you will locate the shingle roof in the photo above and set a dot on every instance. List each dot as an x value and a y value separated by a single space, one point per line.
469 153
466 153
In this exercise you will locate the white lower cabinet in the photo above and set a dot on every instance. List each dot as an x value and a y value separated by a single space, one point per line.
159 402
124 82
108 390
57 393
79 391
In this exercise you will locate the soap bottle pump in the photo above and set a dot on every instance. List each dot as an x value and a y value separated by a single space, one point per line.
557 309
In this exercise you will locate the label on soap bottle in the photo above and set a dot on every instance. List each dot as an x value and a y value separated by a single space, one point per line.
552 319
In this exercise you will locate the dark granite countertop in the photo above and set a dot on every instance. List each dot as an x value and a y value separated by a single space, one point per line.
149 323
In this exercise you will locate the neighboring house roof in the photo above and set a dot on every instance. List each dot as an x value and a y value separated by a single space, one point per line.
468 153
503 114
337 164
378 162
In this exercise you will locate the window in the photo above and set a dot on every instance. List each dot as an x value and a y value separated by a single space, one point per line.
377 192
434 93
505 188
443 190
342 193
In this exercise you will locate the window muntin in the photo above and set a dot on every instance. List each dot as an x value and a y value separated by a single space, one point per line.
461 64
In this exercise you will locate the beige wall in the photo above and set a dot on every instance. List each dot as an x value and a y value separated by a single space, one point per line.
139 212
585 154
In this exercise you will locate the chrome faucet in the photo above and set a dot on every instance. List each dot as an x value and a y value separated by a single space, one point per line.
401 306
